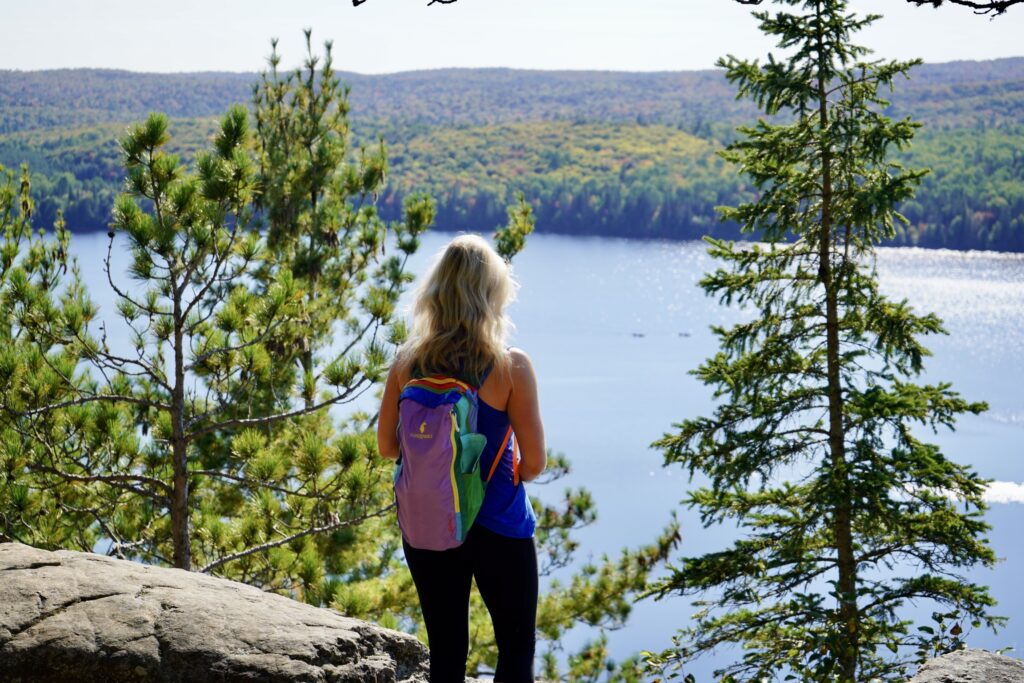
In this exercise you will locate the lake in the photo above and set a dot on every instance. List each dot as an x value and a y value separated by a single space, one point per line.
599 314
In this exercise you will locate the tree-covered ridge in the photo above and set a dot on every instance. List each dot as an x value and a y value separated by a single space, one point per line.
63 98
656 181
80 170
974 195
955 94
595 179
621 179
597 153
93 151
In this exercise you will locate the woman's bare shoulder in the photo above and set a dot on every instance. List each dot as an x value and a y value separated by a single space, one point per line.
518 357
520 365
401 366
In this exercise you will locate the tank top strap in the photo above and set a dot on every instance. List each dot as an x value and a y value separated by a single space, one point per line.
484 374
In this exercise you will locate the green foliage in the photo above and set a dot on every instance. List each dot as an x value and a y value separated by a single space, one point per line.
36 284
626 180
510 239
596 179
580 178
974 196
845 515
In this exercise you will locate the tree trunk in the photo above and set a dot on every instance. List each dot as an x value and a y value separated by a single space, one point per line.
849 648
314 274
179 447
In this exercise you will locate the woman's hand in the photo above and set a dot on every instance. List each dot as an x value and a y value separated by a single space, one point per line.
524 414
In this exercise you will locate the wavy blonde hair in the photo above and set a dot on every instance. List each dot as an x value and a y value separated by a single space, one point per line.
458 315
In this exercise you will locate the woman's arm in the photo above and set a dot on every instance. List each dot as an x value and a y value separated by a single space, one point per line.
524 414
387 418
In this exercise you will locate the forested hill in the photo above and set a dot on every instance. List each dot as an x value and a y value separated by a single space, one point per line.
955 93
608 153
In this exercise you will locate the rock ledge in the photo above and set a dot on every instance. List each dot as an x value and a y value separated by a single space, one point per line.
66 616
971 666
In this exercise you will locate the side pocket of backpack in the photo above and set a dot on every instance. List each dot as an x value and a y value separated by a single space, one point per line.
472 448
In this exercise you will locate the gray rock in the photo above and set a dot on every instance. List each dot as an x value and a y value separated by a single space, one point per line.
971 666
69 616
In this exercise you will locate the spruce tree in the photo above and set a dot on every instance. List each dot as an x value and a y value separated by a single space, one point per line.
845 514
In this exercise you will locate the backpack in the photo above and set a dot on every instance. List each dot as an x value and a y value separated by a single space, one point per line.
438 486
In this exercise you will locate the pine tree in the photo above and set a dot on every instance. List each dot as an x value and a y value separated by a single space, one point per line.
314 203
846 515
229 467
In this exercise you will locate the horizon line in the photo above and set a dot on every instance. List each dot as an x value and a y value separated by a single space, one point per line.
4 70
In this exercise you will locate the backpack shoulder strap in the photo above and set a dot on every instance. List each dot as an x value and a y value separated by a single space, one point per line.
501 452
440 383
515 461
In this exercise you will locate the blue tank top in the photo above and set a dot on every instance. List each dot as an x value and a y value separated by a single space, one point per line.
506 509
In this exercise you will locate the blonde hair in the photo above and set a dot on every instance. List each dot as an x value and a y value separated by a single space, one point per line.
458 315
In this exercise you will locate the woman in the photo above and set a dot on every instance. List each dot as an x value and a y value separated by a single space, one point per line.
459 329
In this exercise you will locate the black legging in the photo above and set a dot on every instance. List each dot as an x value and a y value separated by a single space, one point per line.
506 576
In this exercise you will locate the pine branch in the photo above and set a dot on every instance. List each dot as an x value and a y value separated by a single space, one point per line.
117 290
219 260
105 360
202 358
91 398
994 7
270 419
337 524
106 478
255 484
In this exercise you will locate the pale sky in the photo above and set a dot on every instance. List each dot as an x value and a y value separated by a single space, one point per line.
382 36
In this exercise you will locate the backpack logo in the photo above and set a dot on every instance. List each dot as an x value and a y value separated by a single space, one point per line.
421 434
